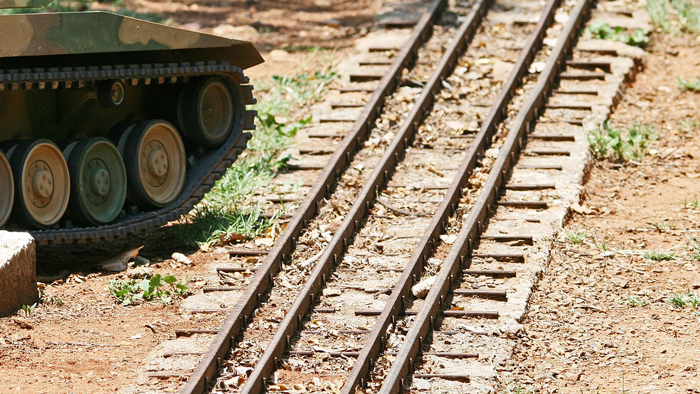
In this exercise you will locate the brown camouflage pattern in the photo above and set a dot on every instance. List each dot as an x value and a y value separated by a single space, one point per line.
24 3
85 33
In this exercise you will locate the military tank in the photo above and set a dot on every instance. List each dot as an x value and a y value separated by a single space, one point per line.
113 125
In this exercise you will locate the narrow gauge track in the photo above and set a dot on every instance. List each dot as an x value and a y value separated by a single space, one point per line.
240 317
352 221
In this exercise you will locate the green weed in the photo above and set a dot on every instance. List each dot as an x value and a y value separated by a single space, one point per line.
612 143
207 225
29 309
678 300
53 300
675 16
691 204
132 292
635 301
576 237
658 256
687 86
602 245
658 13
688 124
662 226
604 31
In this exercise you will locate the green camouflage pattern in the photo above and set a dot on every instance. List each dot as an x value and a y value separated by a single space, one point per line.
94 33
24 3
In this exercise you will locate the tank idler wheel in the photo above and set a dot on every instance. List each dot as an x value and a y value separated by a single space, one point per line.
7 185
98 190
42 182
206 112
154 156
111 93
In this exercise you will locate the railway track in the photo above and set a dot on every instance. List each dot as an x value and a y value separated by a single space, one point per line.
427 198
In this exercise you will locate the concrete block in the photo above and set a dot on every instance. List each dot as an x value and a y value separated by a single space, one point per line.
17 272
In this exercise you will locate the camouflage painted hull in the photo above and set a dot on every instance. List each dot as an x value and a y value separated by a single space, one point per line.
95 38
53 69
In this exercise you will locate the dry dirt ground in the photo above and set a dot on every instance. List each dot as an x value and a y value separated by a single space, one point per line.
601 320
79 340
582 333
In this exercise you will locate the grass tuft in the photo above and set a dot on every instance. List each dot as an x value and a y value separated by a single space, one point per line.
576 237
635 301
687 86
612 143
675 16
658 256
681 300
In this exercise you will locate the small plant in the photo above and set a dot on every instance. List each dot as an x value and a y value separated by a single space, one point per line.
604 31
131 292
662 226
677 300
635 301
28 309
658 256
54 300
576 237
693 300
691 204
675 16
658 13
687 86
689 124
613 143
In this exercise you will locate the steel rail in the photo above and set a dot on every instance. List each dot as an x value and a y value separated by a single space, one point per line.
363 202
363 365
260 283
459 255
396 303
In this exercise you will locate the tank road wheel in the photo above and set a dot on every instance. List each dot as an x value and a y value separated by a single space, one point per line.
7 185
98 190
154 156
42 182
206 112
111 93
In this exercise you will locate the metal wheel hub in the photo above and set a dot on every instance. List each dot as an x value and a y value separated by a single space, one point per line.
156 163
117 94
215 109
99 181
42 184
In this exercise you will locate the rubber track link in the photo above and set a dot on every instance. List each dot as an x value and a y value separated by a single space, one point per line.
201 175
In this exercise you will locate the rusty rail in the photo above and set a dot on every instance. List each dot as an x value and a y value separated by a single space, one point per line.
430 238
236 321
338 244
459 255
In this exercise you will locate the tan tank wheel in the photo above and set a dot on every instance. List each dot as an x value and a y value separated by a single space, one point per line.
206 112
42 182
7 185
98 190
154 156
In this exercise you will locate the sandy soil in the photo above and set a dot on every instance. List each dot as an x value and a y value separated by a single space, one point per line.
583 333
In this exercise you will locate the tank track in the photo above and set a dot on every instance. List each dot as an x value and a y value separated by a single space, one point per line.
201 174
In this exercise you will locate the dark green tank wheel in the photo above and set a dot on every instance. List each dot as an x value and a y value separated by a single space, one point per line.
154 156
98 190
206 112
7 187
42 182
